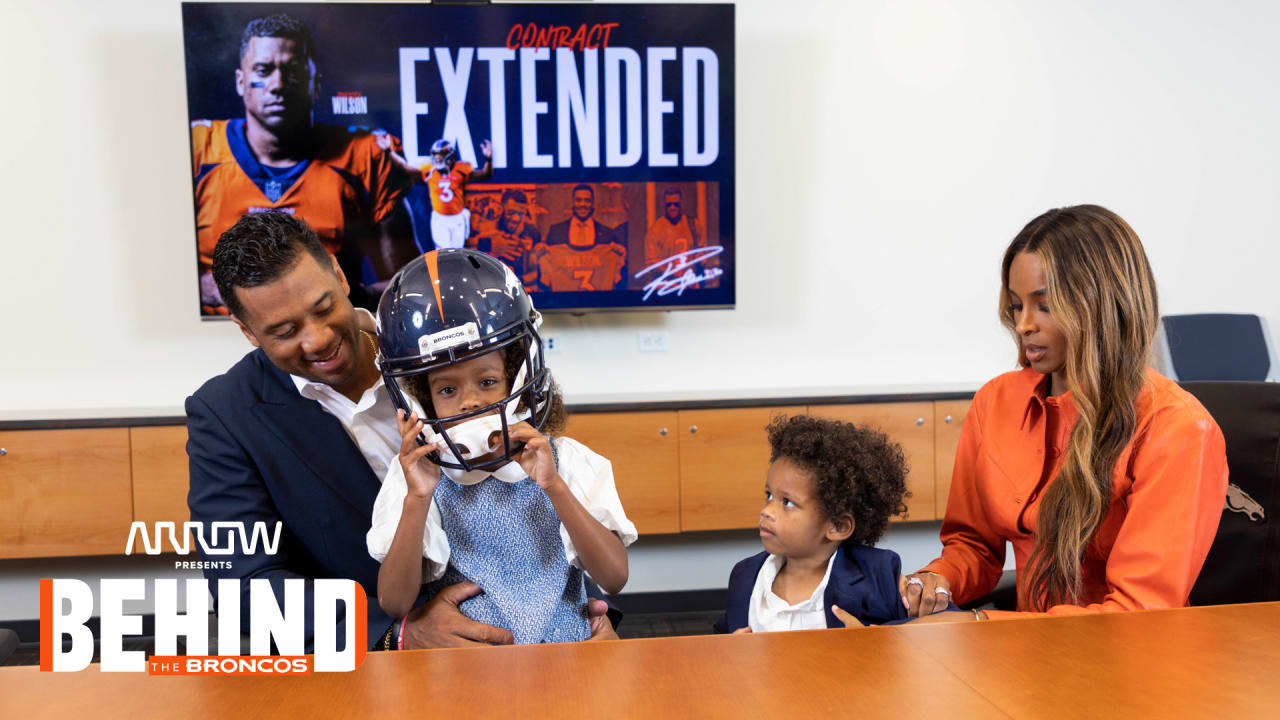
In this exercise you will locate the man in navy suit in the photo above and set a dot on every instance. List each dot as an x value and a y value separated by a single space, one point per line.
581 230
300 431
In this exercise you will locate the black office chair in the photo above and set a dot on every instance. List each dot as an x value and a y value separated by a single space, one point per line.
1244 562
1216 347
1004 596
8 643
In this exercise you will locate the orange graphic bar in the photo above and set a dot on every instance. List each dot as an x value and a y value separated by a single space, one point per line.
229 665
46 625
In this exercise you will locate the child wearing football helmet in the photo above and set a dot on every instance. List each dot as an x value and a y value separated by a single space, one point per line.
480 491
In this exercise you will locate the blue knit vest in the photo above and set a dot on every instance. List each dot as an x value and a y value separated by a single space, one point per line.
505 537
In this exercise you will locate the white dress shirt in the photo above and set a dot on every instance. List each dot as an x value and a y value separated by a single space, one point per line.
588 475
767 612
582 233
371 422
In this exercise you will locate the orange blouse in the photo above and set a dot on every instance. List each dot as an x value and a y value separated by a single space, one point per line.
1167 494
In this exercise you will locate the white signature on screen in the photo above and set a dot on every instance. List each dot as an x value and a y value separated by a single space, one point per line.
678 272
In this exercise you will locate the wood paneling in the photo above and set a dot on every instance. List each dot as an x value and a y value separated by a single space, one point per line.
160 476
75 492
724 455
644 448
911 426
64 492
949 418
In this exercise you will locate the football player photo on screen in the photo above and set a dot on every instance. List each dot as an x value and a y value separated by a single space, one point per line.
276 158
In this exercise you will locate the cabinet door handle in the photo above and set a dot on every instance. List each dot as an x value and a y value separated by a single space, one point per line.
693 429
663 432
3 452
919 422
948 420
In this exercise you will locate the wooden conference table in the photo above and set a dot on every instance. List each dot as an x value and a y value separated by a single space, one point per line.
1195 663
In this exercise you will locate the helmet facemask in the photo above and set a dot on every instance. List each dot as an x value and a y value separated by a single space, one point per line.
479 441
443 155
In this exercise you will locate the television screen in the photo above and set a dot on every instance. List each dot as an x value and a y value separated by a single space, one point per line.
590 147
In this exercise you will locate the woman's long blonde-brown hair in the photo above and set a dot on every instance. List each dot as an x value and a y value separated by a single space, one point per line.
1102 294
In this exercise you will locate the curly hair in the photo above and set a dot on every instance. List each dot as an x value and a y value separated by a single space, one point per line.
280 25
259 249
859 471
512 360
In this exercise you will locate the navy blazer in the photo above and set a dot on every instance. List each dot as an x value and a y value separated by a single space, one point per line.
863 583
258 450
558 233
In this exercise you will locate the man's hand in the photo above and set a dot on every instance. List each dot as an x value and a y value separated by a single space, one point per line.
844 617
601 628
440 624
486 149
505 246
209 295
924 593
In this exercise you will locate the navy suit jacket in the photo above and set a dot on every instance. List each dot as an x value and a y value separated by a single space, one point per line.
558 234
258 450
863 583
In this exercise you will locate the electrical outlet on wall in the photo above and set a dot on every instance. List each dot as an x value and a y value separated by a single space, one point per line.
551 343
652 341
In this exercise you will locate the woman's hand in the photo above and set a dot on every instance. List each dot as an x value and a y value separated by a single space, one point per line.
420 474
924 593
536 457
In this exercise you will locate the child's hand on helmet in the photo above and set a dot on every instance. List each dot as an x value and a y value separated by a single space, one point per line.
536 458
420 474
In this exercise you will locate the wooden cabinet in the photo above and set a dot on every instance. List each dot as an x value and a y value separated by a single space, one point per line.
949 418
160 476
644 450
76 492
911 425
724 455
64 492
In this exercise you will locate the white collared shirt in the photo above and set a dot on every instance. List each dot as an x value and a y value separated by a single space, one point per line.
582 233
767 612
371 422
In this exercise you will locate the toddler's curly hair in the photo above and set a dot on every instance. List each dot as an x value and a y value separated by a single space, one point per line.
858 471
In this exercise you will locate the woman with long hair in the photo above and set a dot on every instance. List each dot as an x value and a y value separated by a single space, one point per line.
1106 477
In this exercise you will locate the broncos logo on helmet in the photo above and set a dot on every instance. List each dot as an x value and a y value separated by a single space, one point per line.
443 155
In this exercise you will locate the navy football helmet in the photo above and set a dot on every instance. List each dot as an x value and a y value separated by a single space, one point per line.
448 306
443 155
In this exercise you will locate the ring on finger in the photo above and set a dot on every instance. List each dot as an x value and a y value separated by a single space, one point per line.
942 591
915 581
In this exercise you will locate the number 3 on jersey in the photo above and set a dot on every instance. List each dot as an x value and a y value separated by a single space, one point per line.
446 190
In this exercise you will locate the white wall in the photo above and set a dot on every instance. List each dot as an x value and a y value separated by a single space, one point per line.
887 153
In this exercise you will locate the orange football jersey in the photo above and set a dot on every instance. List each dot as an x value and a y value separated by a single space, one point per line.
566 268
447 189
664 239
349 183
